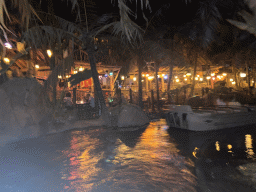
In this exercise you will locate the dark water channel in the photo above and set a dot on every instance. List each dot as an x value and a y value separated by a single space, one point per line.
153 158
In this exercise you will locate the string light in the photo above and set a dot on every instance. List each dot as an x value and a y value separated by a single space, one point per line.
49 52
6 60
242 74
8 45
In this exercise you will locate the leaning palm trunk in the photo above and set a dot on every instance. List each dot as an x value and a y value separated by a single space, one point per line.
98 90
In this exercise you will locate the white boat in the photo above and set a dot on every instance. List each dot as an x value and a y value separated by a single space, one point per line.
208 119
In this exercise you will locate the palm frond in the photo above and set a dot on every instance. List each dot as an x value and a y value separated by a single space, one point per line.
45 36
26 10
3 11
249 24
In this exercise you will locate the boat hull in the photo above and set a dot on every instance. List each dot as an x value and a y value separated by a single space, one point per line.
183 117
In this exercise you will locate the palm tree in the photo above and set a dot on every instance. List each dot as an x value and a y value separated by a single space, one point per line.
59 31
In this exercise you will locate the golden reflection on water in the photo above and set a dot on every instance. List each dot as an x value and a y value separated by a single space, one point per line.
153 164
248 145
217 145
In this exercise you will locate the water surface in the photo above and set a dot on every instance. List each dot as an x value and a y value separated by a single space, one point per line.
153 158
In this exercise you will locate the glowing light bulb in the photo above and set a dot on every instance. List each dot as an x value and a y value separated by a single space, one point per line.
6 60
49 52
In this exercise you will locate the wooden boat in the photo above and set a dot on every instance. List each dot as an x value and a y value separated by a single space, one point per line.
208 119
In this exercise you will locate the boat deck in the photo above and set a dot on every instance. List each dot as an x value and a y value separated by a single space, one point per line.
220 109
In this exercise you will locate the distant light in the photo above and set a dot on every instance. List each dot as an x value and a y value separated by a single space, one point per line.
197 75
59 76
66 76
142 80
134 78
208 77
163 75
49 52
8 45
75 72
177 80
122 78
175 77
147 75
196 78
6 60
188 74
218 77
100 76
213 74
233 83
143 75
213 78
37 66
106 75
184 75
229 146
185 79
166 77
231 80
201 79
242 74
150 77
224 74
111 73
158 76
80 69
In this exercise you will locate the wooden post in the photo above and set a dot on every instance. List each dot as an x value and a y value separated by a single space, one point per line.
177 96
74 95
130 95
152 100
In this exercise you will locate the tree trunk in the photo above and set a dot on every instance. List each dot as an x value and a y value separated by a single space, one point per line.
104 110
169 83
157 87
194 76
139 63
